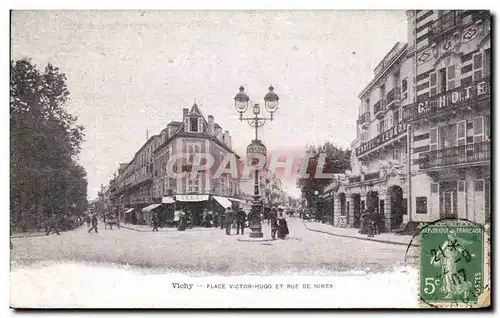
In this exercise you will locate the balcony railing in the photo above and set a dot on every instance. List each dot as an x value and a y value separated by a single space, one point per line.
390 134
466 154
355 179
465 95
444 23
379 108
364 119
394 97
372 176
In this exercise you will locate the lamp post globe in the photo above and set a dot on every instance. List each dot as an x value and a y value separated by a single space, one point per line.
241 101
271 100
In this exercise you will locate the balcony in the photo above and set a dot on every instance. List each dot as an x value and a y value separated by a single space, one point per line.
355 179
394 98
443 25
477 153
386 137
364 120
379 109
473 96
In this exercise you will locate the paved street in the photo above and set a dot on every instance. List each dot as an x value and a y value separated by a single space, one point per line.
210 250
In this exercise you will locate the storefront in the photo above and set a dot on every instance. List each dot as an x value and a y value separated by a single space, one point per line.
147 212
128 215
195 203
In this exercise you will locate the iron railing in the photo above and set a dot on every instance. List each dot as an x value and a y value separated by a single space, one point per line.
470 153
393 96
379 106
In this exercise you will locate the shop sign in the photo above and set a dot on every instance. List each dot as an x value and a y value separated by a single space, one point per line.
191 197
382 138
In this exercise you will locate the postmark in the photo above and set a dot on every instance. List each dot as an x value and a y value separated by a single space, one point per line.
452 264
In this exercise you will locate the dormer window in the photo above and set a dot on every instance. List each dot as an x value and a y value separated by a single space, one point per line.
193 124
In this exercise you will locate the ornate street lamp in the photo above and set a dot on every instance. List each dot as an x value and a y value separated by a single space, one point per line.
241 101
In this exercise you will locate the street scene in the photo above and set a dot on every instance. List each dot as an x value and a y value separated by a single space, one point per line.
145 140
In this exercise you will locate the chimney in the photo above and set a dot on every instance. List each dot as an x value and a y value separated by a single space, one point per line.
211 124
185 112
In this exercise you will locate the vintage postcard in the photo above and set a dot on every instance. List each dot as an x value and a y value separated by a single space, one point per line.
250 159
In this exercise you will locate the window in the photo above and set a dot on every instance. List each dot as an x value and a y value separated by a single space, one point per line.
193 185
396 154
367 105
478 124
451 77
421 205
448 136
442 80
193 124
434 187
478 186
382 92
433 84
487 62
404 89
433 140
461 186
395 117
477 66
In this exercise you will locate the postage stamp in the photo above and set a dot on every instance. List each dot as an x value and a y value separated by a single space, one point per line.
452 263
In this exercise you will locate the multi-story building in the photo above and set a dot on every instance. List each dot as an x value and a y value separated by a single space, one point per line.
451 117
145 184
432 96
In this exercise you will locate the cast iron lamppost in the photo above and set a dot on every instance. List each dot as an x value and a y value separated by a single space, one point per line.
241 103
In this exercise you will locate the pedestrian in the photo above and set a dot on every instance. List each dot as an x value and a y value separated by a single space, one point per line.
182 221
370 224
155 222
222 219
229 220
87 219
53 225
94 223
282 226
216 219
240 221
274 223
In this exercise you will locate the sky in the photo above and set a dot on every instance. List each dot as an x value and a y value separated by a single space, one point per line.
132 72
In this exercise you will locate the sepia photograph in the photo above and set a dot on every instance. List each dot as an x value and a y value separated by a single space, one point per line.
244 159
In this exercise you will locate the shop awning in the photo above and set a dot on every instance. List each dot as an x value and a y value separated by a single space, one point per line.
167 200
236 200
129 210
150 207
191 197
223 201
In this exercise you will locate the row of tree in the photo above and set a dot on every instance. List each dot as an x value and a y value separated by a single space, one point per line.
45 141
337 160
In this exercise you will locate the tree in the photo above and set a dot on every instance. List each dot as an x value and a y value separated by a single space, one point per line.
45 141
337 161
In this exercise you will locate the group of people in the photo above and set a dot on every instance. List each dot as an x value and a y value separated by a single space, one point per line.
56 223
371 223
279 225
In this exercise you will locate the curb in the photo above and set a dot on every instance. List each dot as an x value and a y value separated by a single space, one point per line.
25 236
256 240
361 238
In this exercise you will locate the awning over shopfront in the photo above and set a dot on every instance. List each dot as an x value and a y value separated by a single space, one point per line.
237 200
191 197
223 201
167 200
150 207
128 211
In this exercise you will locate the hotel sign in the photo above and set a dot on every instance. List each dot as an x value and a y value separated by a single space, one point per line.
381 139
388 58
454 97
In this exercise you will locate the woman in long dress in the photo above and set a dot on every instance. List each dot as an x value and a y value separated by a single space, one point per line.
282 226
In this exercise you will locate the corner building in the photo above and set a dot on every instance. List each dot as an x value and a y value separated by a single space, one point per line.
432 96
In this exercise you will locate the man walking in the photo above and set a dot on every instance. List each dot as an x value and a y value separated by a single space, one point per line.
53 225
229 220
155 222
94 223
240 221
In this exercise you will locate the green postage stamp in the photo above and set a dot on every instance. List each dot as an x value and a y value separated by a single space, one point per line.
452 264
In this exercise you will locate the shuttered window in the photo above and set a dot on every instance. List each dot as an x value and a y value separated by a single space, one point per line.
478 129
477 66
200 124
433 142
433 84
186 124
451 77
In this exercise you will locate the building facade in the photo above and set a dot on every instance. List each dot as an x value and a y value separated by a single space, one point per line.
145 183
423 128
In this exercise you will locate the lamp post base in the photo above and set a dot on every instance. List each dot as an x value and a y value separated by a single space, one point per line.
256 234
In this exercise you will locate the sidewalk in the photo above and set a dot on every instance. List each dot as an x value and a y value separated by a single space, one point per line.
149 228
389 238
